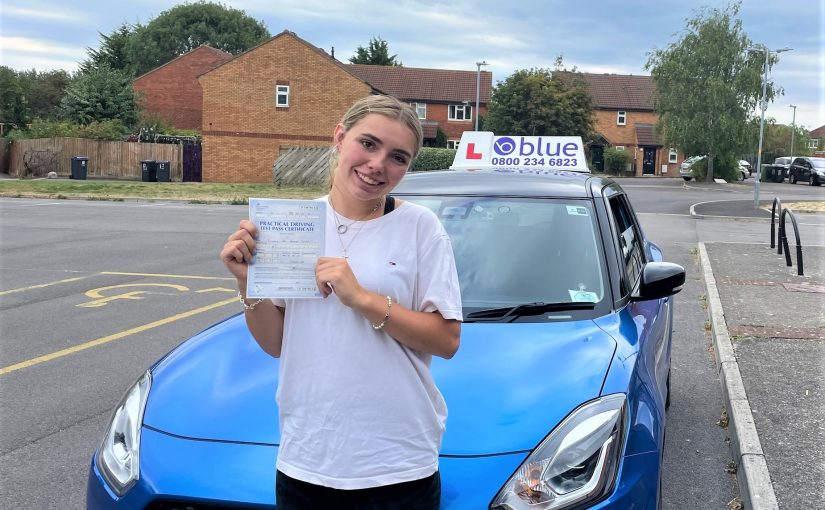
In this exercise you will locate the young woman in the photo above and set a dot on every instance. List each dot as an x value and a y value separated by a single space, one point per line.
361 418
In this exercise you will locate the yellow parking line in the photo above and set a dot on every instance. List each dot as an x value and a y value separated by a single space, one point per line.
21 289
110 338
169 276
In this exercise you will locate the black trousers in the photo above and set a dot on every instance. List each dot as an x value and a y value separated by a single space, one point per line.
424 494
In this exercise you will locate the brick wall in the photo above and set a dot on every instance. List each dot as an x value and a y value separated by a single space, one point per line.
172 91
452 128
243 129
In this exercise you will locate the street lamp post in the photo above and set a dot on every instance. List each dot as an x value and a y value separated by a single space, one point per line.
478 86
793 128
762 106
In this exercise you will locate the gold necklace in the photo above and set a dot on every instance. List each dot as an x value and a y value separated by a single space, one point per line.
342 228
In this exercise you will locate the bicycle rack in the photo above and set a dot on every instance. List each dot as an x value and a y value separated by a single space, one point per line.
776 202
783 240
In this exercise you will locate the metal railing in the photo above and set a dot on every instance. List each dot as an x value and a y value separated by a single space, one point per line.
783 237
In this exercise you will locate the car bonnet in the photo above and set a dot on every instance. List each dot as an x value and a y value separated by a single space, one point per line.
507 387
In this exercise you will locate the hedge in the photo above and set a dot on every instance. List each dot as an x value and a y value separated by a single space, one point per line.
431 158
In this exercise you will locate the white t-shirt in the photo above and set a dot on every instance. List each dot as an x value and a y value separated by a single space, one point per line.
357 408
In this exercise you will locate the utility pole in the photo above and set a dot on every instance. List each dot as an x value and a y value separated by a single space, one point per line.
478 86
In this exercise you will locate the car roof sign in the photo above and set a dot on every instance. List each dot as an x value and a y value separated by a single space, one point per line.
483 150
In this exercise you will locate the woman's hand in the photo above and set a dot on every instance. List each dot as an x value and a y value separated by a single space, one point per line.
238 250
334 274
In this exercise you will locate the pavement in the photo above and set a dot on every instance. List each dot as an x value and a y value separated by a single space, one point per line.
768 328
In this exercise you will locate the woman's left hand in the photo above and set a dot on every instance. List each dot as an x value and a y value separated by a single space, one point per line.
334 274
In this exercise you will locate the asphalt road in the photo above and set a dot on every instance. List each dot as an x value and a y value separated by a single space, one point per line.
92 293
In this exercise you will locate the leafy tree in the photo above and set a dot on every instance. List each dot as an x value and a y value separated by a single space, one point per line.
376 53
777 140
541 102
43 91
187 26
101 94
440 139
13 103
706 85
112 52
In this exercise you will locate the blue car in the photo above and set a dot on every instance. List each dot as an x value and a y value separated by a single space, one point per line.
556 398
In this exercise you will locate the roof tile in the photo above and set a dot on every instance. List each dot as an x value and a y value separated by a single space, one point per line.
426 85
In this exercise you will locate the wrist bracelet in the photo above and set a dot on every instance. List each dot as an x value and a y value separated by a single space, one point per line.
386 316
247 307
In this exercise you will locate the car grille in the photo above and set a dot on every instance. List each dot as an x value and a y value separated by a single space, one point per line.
189 505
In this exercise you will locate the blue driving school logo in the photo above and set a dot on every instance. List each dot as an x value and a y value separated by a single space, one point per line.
504 145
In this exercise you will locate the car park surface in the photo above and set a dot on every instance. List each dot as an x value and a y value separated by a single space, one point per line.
542 318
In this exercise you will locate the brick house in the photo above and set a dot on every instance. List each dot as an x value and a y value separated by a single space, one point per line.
443 98
172 91
287 92
817 140
626 119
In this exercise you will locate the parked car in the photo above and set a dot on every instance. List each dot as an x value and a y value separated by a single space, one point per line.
779 169
744 166
557 396
810 170
686 168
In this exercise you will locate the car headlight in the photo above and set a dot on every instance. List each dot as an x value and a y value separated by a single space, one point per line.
576 464
119 456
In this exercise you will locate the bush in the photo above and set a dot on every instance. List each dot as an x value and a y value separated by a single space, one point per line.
431 158
615 160
724 167
105 130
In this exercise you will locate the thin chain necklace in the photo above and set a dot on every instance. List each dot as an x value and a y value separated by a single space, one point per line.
342 228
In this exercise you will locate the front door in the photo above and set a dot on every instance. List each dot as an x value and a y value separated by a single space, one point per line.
597 158
649 161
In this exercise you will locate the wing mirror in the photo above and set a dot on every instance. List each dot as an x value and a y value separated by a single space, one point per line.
659 279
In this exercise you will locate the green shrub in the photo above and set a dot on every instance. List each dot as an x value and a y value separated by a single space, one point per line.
112 129
615 160
431 158
724 167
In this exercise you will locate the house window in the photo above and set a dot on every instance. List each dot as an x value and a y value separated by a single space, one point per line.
460 112
672 156
621 118
420 109
452 144
813 144
282 96
620 147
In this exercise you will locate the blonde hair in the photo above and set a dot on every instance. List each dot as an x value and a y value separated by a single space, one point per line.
387 106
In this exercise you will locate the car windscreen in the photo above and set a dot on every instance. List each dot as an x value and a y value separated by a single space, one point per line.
818 163
513 251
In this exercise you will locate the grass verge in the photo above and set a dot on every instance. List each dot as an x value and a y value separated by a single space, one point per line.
195 192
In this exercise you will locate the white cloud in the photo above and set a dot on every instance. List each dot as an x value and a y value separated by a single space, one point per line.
27 45
51 13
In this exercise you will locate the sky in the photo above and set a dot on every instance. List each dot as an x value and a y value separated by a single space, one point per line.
597 36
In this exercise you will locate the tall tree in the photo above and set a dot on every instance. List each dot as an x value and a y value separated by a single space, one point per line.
112 52
13 103
43 91
99 95
707 85
541 102
376 53
187 26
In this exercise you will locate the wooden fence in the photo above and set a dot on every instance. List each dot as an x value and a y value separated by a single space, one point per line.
117 160
297 166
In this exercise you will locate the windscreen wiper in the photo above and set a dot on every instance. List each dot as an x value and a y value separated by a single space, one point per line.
523 309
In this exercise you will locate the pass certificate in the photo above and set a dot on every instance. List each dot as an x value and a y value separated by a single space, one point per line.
290 240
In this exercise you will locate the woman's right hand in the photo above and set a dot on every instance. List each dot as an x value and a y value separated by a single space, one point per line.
239 248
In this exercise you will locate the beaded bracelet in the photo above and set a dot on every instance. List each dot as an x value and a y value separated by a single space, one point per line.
247 307
386 316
